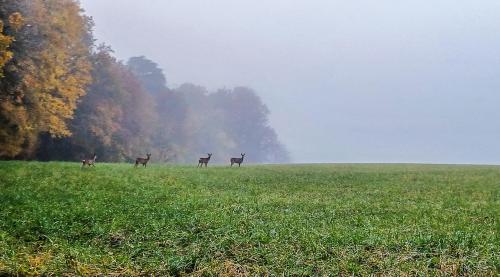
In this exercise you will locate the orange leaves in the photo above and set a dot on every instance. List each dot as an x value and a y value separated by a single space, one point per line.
48 73
16 21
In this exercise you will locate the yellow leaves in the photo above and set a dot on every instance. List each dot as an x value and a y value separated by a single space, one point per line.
5 54
57 127
62 68
16 21
50 72
12 139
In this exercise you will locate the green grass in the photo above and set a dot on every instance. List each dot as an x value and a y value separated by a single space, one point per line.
291 220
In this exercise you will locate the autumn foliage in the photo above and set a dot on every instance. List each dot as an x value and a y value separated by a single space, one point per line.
62 97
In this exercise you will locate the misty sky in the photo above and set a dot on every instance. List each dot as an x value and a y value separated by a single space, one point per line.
346 81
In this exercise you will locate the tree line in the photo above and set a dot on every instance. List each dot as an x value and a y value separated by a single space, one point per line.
63 97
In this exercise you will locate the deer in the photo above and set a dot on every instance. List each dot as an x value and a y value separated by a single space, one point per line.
205 161
238 160
89 162
143 161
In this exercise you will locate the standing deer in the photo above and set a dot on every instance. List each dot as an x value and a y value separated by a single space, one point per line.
205 161
143 161
89 162
238 160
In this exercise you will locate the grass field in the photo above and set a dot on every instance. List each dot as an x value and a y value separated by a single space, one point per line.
291 220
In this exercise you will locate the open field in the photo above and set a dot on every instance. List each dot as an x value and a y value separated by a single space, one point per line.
296 220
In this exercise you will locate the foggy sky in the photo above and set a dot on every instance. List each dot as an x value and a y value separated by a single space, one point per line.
346 81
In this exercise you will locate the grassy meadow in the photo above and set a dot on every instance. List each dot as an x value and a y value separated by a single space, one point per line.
56 219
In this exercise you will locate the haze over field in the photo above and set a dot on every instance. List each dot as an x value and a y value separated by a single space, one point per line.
164 138
346 81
